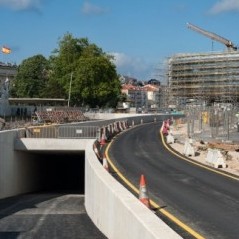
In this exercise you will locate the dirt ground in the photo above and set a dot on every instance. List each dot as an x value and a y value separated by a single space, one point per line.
230 152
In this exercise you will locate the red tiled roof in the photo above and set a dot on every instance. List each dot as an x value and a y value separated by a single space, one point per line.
151 87
128 87
148 87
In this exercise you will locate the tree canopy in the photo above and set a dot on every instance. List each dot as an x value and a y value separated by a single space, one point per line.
31 77
77 68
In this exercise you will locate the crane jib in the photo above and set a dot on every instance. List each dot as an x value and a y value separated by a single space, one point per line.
213 36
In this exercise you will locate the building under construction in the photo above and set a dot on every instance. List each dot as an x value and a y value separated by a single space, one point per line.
205 77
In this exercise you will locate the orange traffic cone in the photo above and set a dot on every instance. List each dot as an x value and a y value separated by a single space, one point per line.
103 138
105 164
143 195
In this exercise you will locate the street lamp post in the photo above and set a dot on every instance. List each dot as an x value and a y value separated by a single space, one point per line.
69 95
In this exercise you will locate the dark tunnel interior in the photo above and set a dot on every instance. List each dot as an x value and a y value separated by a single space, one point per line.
61 172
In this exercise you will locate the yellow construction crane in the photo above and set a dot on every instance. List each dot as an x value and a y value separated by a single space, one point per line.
230 46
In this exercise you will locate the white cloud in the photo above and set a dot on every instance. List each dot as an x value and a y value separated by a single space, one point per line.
135 67
21 4
225 6
91 9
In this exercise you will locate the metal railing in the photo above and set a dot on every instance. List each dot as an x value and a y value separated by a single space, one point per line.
86 132
60 131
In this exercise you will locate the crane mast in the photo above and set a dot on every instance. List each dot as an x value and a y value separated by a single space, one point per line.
213 36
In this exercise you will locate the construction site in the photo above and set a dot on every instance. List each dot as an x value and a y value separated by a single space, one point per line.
204 78
206 87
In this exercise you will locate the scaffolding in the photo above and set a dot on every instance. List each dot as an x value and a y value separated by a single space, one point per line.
204 77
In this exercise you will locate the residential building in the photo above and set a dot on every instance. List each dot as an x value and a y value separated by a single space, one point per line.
143 98
153 96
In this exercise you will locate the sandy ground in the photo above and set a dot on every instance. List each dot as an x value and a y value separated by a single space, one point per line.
230 155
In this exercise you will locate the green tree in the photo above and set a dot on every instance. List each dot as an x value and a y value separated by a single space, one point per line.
76 63
31 77
94 82
123 97
62 64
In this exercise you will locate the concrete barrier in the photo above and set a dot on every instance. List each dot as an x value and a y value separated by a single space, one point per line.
170 138
215 158
114 210
188 149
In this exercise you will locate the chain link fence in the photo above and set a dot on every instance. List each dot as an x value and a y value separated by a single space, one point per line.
212 122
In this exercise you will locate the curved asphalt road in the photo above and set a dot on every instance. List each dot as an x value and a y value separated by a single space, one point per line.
205 201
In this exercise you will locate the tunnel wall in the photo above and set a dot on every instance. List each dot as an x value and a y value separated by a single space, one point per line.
18 172
22 170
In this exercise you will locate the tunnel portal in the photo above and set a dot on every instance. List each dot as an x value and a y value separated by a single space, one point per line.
58 171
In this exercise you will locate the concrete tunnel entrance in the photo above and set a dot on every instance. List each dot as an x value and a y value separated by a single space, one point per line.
58 171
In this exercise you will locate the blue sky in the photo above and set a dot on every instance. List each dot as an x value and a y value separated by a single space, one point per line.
141 34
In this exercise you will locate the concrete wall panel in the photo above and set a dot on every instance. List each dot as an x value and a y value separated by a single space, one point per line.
114 210
18 172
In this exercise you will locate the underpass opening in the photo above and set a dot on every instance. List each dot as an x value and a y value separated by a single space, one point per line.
58 171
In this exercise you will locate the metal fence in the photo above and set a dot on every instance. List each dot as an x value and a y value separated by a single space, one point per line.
212 122
86 132
60 131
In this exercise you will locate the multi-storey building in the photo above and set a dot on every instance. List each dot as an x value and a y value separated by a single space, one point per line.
143 98
153 96
205 77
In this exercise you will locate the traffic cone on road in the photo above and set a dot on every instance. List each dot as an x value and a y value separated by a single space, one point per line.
143 195
103 137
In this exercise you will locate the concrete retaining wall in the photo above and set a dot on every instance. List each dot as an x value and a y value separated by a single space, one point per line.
103 119
114 210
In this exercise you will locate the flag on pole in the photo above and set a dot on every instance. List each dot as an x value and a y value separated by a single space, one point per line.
6 50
